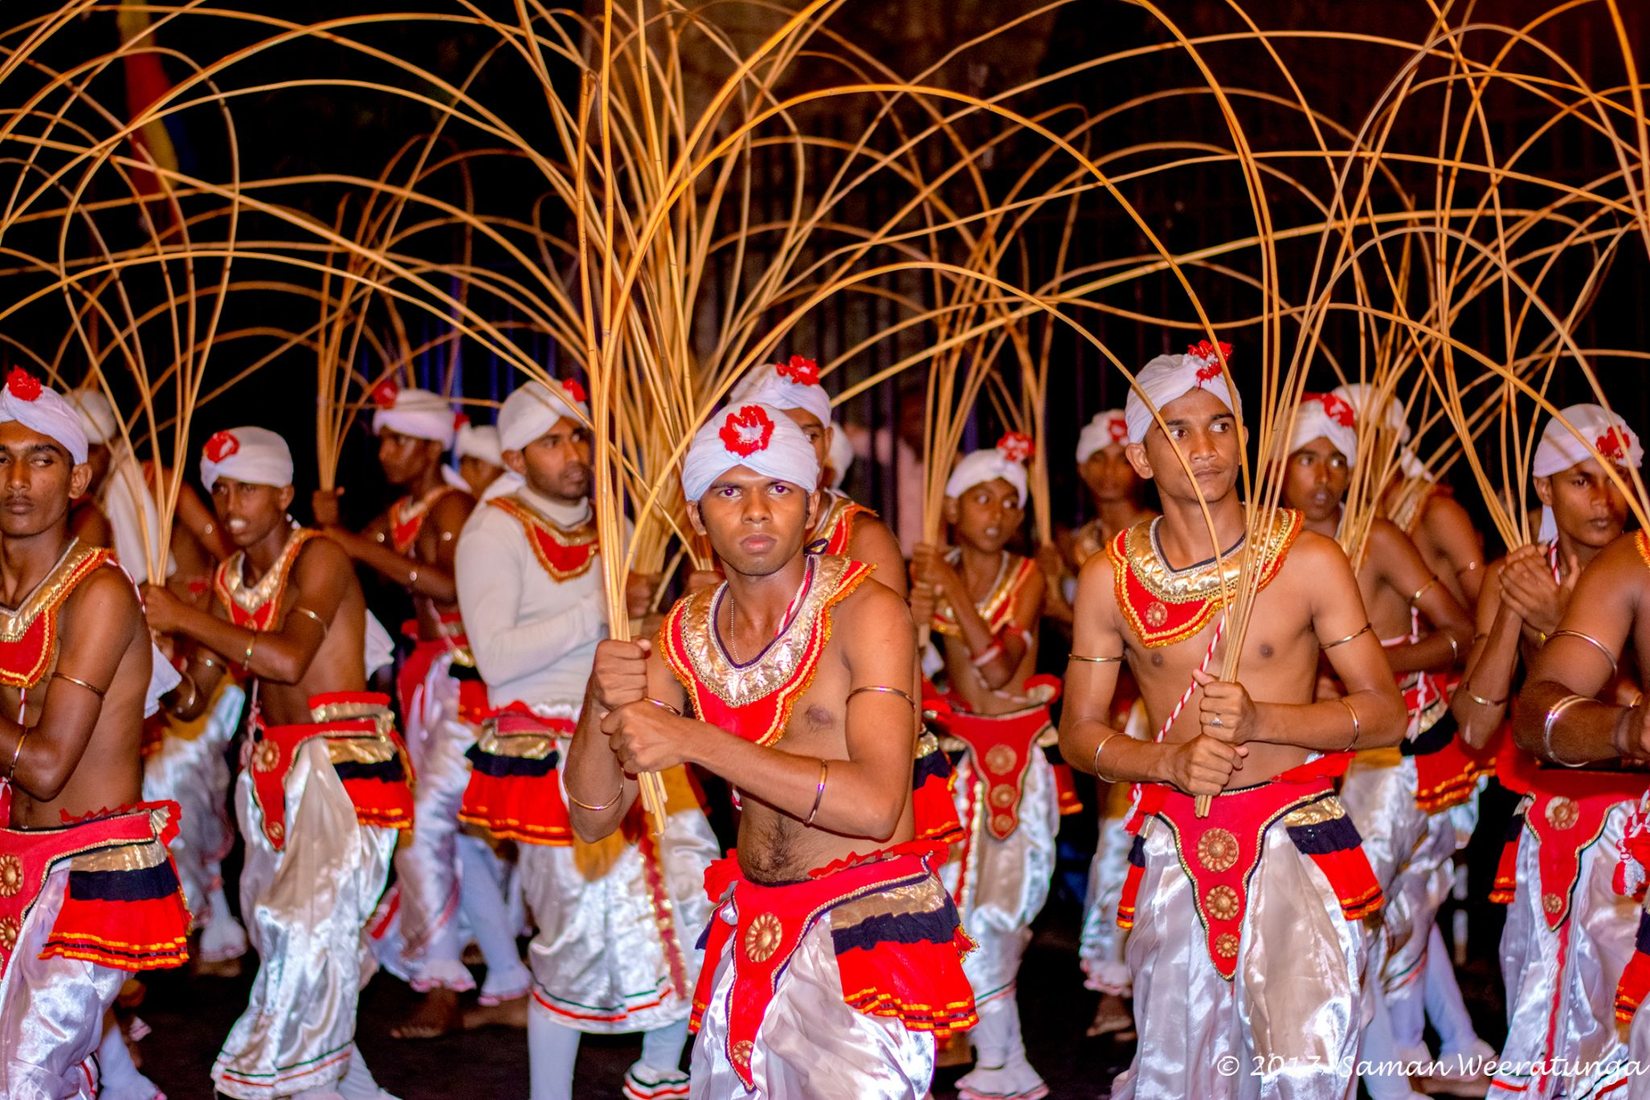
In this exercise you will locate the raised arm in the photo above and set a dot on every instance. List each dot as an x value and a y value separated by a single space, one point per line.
1452 534
97 625
1405 571
1480 702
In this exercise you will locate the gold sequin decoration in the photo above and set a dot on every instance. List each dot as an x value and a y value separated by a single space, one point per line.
1217 850
1222 902
762 938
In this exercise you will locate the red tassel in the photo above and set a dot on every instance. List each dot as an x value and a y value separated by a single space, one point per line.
1634 984
387 805
1131 891
1348 871
1506 874
919 984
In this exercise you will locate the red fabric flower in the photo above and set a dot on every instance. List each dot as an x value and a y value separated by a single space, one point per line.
1118 429
385 393
1015 446
1335 408
460 421
1211 356
747 431
22 384
800 369
221 446
572 389
1612 445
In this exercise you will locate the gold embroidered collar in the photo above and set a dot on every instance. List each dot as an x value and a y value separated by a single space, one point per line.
53 588
251 597
998 600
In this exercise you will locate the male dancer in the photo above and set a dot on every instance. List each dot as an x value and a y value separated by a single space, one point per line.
325 786
834 945
985 603
617 923
1247 956
441 698
1399 798
88 894
479 461
1569 933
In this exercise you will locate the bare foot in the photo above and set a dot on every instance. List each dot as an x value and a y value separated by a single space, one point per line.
1112 1017
511 1013
436 1015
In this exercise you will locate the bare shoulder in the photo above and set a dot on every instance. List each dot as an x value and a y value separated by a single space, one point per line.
1443 508
107 600
323 553
453 509
1623 561
872 607
1388 536
1313 553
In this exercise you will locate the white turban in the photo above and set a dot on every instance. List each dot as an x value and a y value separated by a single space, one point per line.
1594 432
256 456
793 384
479 442
416 413
1362 397
841 456
44 410
757 437
1006 460
1330 417
97 416
1171 377
535 408
1105 429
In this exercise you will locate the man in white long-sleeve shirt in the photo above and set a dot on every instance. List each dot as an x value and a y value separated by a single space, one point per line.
617 921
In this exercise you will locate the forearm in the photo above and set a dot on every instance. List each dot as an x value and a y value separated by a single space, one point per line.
419 578
1361 720
1480 702
1093 746
592 776
846 797
268 655
1437 652
33 763
1556 724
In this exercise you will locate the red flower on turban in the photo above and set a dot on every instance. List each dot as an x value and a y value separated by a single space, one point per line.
747 431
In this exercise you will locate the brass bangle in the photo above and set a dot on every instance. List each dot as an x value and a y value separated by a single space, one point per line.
246 658
308 614
1094 763
1353 740
78 682
1422 591
1590 640
819 793
906 695
1483 702
1553 714
1095 660
1454 649
662 705
1365 629
574 799
17 753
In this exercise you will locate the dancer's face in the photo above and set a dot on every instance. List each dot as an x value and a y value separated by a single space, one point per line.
819 435
557 463
249 512
986 515
1108 475
1586 504
756 524
38 479
1315 480
406 458
478 473
1207 433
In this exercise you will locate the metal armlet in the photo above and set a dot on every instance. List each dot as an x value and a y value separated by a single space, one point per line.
571 797
1553 713
906 695
78 682
308 614
1590 640
1353 740
1422 591
1094 764
1365 629
1095 660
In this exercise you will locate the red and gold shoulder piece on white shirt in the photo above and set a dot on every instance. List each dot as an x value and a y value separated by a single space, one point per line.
565 553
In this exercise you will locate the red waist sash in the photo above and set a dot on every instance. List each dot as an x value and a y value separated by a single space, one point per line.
1219 853
515 781
1567 815
898 940
365 750
123 908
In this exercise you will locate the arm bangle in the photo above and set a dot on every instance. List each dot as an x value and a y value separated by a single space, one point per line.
987 655
78 682
412 577
1553 713
1094 764
1422 591
246 658
906 695
662 705
1095 660
819 793
1483 702
1365 629
17 753
1454 649
1353 740
205 659
1590 640
596 809
308 614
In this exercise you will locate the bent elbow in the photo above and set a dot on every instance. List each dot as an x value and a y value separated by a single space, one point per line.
591 831
881 827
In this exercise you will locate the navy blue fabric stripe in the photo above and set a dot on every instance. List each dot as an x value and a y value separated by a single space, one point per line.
512 766
1336 835
146 884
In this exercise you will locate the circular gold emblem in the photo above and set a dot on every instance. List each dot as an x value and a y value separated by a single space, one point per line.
1217 850
1000 759
1222 903
1552 903
1003 824
277 831
266 756
1156 614
1226 945
741 1053
1562 813
762 938
8 934
11 876
1002 796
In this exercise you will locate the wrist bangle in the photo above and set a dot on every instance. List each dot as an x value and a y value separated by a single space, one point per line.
1553 713
571 797
1626 719
412 577
662 705
1483 702
1094 764
1454 649
246 658
819 793
1353 740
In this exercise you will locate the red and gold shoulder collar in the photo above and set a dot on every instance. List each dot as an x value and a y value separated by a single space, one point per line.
835 528
564 553
754 700
1641 540
407 517
28 635
996 607
255 605
1166 606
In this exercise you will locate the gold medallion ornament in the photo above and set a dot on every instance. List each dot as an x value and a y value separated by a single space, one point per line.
1156 614
11 876
1222 903
1217 850
266 756
1552 903
1000 759
1562 813
9 931
762 938
1226 945
1003 796
741 1052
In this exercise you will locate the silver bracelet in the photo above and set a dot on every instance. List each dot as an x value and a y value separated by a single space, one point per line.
1553 713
